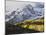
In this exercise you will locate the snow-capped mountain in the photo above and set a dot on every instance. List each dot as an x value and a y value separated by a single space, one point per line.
25 13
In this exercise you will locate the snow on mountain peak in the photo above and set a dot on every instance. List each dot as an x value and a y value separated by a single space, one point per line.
25 13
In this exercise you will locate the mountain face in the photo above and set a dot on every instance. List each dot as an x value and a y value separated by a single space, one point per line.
26 13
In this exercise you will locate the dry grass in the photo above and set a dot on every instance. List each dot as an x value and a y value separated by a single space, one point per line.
37 25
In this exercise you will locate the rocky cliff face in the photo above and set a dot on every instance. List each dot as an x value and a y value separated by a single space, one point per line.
26 13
